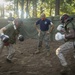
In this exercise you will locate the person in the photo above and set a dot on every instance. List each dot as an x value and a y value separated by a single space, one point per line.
8 36
10 18
46 27
68 34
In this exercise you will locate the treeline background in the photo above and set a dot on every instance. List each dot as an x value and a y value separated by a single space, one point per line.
33 8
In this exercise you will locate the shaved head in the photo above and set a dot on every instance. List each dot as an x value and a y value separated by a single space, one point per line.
43 16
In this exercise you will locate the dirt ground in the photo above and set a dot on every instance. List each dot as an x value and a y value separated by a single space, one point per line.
26 62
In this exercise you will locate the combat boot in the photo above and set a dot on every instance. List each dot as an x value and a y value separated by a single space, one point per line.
65 71
38 50
48 53
8 60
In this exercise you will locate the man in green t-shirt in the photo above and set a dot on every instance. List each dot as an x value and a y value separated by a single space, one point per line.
8 36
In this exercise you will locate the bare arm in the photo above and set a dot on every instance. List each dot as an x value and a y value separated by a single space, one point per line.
2 30
38 30
52 27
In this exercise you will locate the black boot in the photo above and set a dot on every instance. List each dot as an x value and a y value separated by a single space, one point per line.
8 60
65 71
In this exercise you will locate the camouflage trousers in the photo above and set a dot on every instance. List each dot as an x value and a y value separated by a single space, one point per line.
64 48
44 36
10 49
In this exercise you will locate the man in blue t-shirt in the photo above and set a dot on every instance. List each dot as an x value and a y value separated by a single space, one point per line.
46 27
10 18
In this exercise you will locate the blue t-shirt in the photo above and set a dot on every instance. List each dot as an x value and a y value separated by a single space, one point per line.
44 24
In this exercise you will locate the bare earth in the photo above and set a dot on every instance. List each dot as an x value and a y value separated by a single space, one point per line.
25 62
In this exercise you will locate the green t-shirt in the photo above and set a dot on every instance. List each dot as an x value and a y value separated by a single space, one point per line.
71 25
12 33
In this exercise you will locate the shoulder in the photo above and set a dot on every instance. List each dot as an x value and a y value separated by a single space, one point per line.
9 26
48 20
11 18
38 20
70 26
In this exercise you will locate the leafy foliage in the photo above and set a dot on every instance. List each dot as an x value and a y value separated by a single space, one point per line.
33 8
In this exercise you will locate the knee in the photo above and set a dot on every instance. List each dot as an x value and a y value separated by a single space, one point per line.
13 52
58 51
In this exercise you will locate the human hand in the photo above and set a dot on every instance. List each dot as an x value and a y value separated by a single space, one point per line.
47 32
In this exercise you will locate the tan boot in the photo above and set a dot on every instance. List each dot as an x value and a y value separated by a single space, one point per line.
48 53
8 60
38 50
65 71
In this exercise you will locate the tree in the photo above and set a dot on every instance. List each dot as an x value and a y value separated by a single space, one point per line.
34 8
2 9
57 7
22 9
67 7
27 10
16 6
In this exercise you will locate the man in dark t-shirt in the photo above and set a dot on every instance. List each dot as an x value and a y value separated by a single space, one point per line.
10 18
45 28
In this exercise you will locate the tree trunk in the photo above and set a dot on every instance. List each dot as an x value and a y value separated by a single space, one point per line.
17 13
34 8
27 11
22 9
41 8
50 8
2 11
57 7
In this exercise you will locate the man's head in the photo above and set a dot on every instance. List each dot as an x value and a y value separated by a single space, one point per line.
64 18
10 18
18 22
43 16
